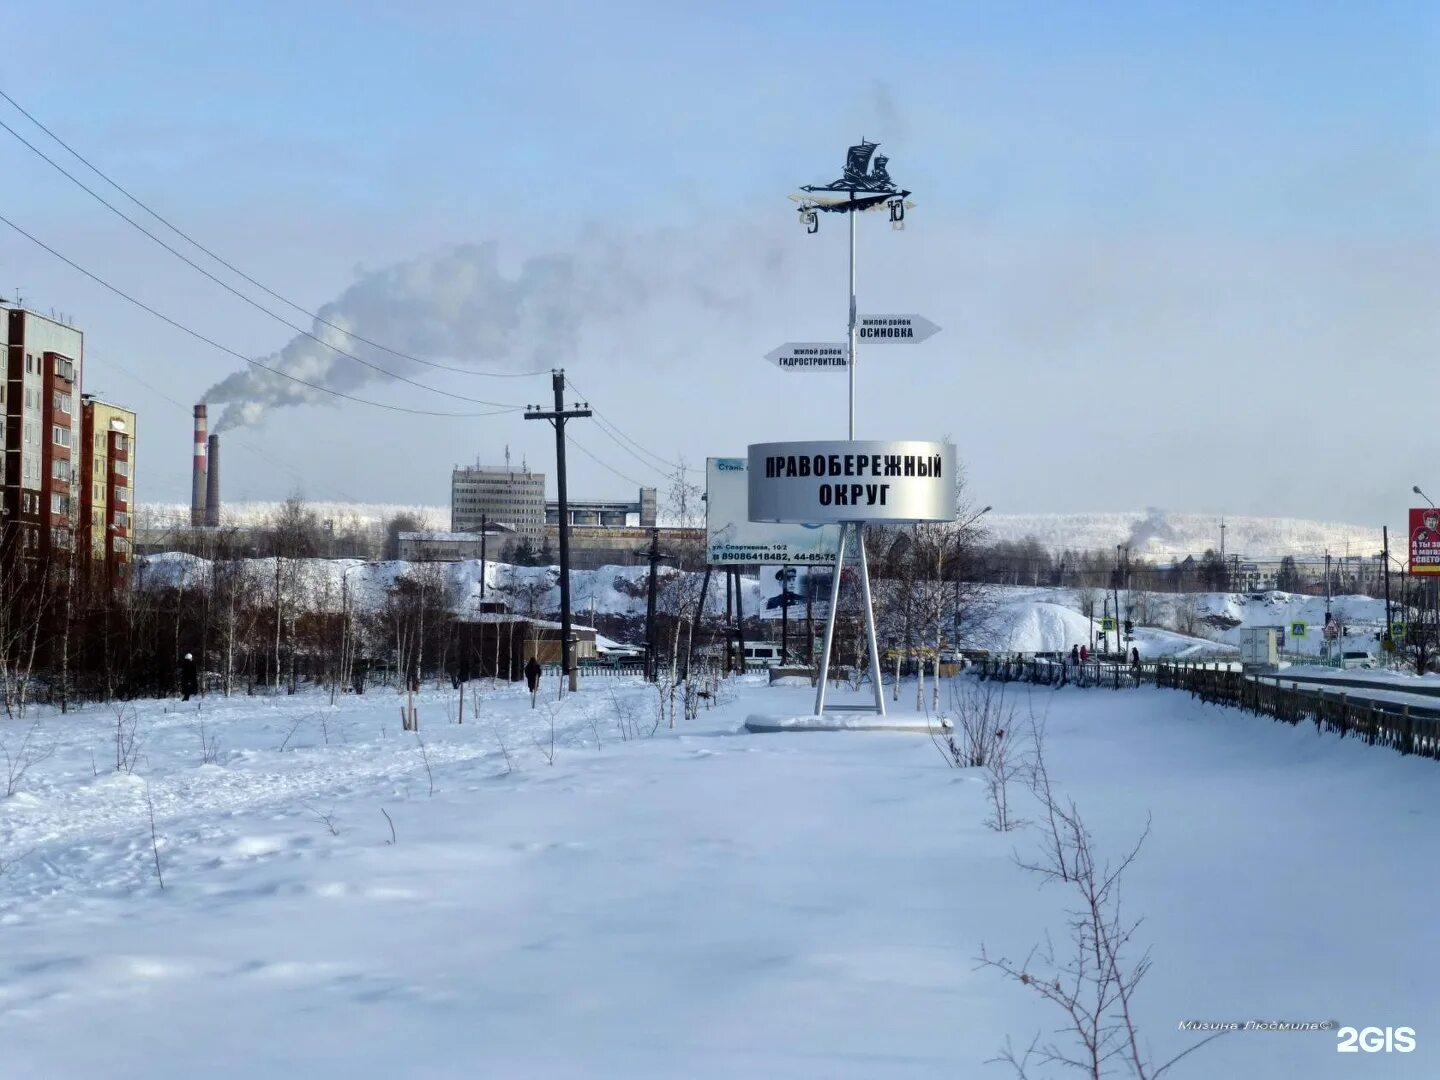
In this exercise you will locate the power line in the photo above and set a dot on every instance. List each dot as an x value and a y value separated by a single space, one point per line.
230 288
603 464
605 422
232 352
229 266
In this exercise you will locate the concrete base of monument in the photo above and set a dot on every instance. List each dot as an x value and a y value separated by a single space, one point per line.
847 720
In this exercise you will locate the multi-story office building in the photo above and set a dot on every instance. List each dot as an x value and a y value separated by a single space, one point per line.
107 484
498 495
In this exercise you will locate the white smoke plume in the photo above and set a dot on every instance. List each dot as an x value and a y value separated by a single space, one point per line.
459 307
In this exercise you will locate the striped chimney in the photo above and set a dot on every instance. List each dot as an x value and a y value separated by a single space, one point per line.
197 474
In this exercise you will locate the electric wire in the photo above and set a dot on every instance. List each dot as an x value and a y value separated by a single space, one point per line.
235 353
607 423
225 263
603 464
236 292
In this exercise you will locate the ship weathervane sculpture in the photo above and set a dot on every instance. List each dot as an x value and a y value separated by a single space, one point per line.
865 187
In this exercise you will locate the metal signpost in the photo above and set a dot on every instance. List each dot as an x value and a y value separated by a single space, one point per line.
850 483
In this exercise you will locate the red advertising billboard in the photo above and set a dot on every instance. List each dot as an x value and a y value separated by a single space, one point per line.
1424 540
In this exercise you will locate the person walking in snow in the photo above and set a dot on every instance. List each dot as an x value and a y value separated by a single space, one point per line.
1084 654
532 679
1135 657
189 677
1075 654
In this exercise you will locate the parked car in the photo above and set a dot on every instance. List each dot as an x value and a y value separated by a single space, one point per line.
1350 660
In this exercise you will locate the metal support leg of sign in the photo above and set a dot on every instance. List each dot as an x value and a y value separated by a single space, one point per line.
847 530
870 641
830 625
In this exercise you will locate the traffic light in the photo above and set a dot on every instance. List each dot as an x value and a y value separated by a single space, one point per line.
1129 628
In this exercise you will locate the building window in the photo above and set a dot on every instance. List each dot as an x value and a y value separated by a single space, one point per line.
97 492
60 435
119 544
59 504
122 520
61 402
60 469
122 468
121 495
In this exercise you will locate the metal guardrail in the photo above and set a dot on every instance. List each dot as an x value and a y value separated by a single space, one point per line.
1403 727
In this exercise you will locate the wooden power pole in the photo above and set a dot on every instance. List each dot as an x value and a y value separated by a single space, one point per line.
557 418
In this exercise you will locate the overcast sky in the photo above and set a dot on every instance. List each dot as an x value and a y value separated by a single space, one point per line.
1183 256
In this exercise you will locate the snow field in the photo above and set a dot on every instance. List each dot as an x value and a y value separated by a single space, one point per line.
703 903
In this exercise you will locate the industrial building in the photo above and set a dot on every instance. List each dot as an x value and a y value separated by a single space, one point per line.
68 458
452 546
488 495
605 514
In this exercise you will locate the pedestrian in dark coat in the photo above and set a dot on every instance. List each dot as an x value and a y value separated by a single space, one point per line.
532 678
1135 657
189 677
1074 654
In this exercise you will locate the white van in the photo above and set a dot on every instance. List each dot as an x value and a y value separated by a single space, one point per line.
762 655
1350 660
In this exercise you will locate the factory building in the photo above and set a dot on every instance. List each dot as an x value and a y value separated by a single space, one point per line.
589 514
488 495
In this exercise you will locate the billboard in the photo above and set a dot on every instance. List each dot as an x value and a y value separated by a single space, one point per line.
870 480
1424 540
731 538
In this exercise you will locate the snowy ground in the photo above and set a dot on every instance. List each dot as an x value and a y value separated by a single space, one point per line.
703 903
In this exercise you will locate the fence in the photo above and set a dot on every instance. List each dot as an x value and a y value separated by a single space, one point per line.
1397 726
590 670
1107 673
1367 720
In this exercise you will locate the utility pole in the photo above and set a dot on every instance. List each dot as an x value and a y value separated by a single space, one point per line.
784 615
557 419
740 619
1385 536
1222 541
729 614
482 562
654 555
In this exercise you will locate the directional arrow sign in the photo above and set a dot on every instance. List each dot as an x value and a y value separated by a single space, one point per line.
894 329
810 356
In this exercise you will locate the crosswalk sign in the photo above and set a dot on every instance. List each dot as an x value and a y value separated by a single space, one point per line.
1297 629
1107 624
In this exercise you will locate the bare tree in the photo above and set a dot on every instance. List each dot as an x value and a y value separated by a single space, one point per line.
20 757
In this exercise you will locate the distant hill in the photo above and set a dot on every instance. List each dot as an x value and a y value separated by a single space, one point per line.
1152 532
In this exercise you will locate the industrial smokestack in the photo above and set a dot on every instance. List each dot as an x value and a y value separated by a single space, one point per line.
212 484
197 474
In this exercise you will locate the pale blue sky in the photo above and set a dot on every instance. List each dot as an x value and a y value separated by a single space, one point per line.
1183 255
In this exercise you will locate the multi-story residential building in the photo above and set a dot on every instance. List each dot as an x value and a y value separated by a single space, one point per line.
44 360
68 469
498 495
107 485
